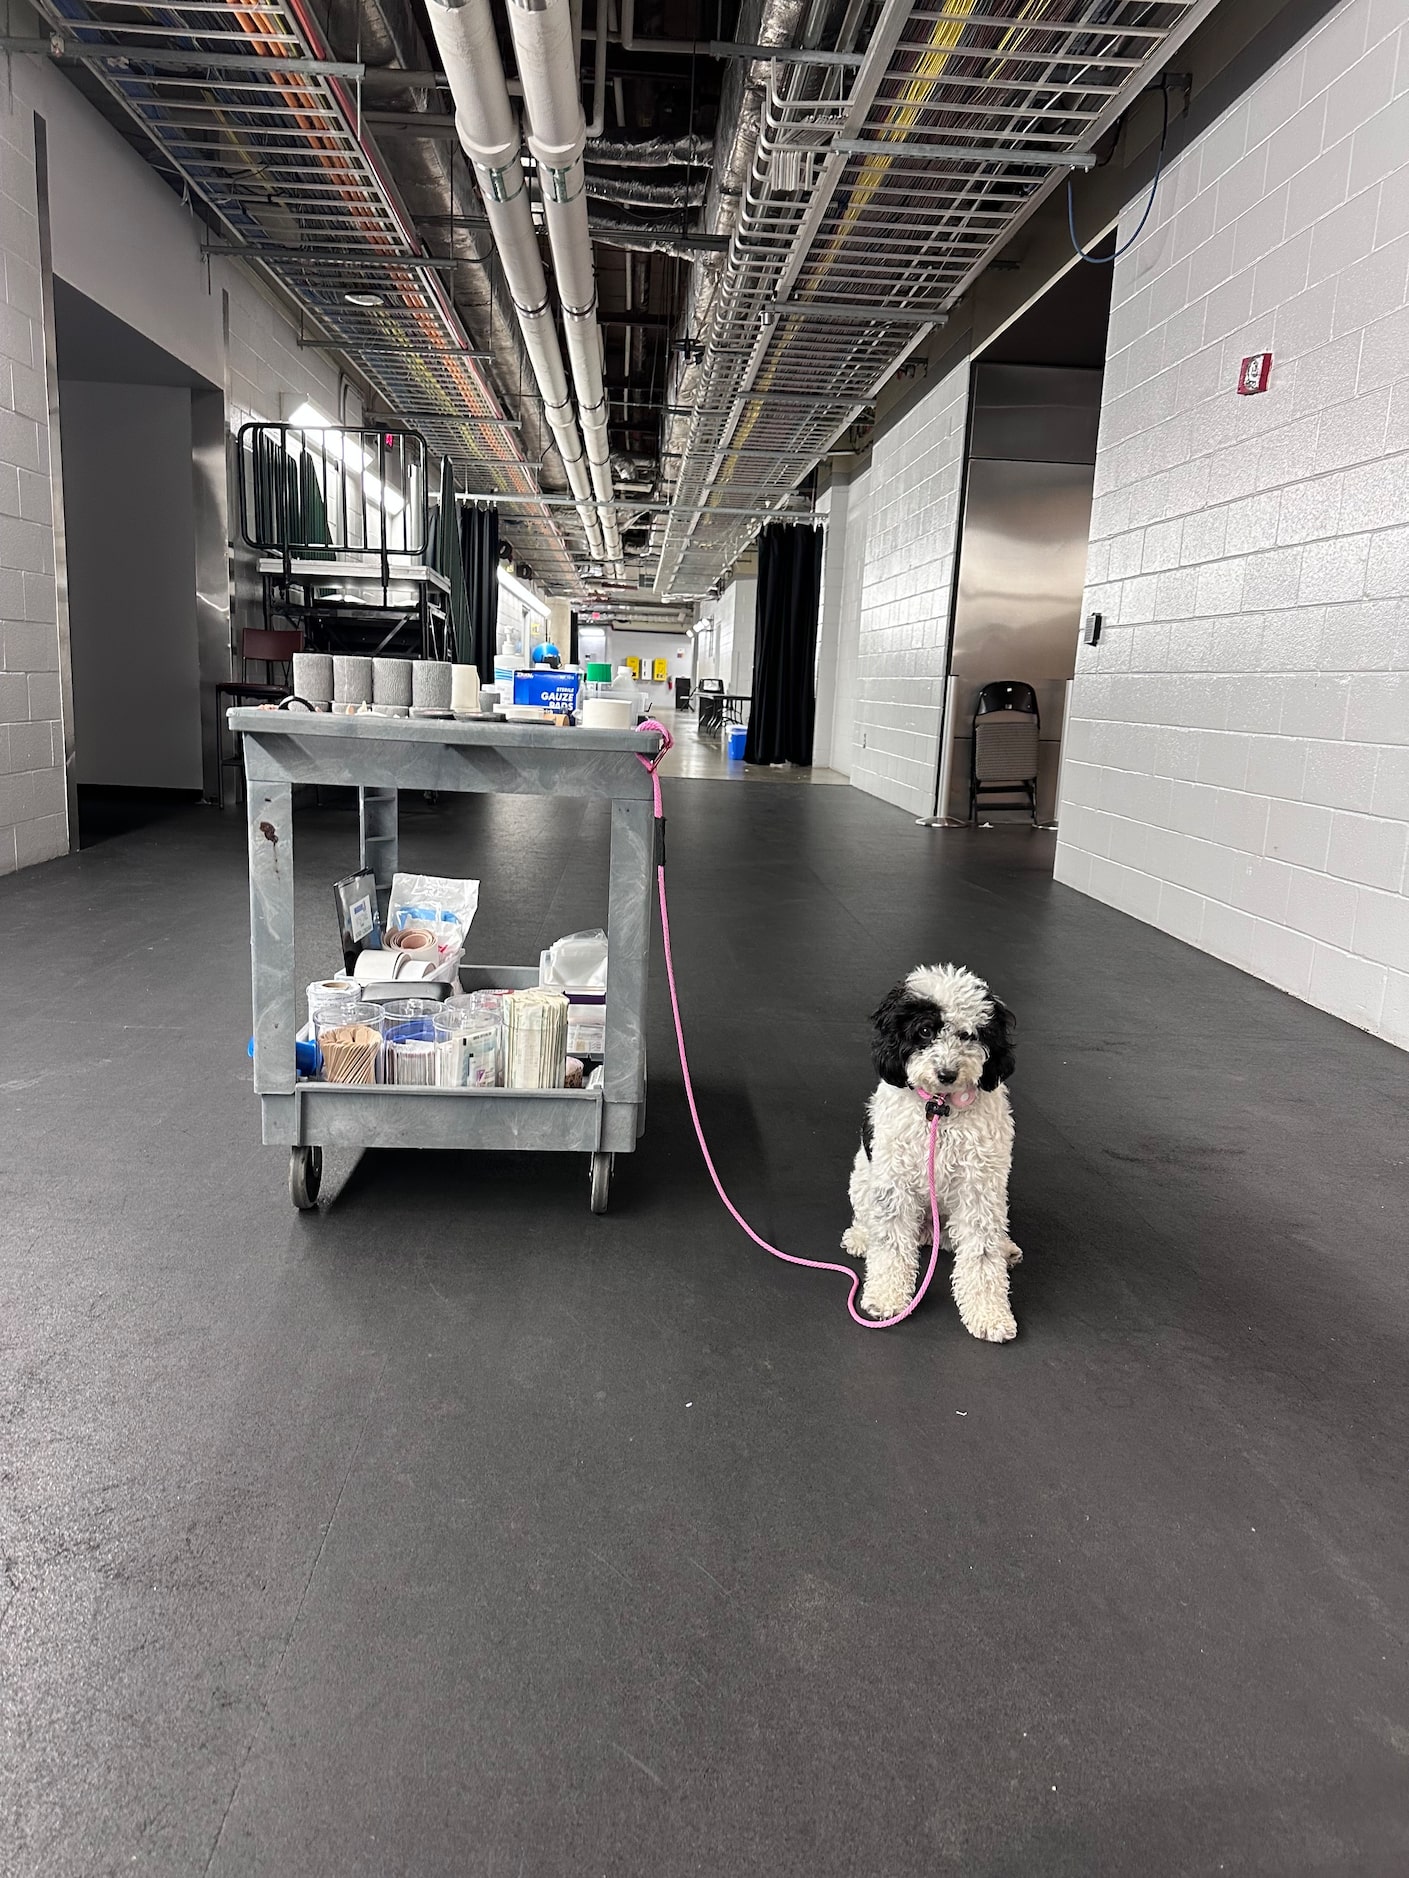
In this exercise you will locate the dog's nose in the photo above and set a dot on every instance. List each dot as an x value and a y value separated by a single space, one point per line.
947 1076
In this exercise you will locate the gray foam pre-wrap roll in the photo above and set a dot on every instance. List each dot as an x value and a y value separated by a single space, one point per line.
391 681
352 679
430 685
313 677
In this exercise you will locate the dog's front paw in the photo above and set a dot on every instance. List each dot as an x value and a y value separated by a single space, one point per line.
882 1301
990 1323
1012 1253
853 1242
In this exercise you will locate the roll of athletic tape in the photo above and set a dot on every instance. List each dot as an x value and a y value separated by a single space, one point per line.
608 714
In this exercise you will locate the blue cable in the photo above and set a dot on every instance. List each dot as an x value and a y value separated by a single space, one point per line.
1107 260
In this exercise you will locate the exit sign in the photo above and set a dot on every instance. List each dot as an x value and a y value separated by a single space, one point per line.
1254 374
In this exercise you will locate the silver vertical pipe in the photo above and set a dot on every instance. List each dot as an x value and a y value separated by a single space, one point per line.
484 121
542 35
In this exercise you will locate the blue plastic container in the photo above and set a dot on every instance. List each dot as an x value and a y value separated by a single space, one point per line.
735 737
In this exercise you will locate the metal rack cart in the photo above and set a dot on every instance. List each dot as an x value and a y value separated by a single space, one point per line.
379 756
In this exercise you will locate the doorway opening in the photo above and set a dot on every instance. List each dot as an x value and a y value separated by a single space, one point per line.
133 421
1034 412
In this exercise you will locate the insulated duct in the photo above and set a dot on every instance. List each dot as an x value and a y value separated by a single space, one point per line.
627 190
644 150
544 45
484 120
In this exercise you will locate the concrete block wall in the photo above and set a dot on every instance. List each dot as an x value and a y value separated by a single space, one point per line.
33 800
736 614
858 512
265 363
266 376
839 625
123 238
911 529
1238 766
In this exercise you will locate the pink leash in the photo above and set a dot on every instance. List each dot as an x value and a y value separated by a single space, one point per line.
789 1258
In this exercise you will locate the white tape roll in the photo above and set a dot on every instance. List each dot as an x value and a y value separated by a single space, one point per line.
608 714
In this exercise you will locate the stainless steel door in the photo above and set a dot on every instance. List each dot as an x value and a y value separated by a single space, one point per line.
1022 567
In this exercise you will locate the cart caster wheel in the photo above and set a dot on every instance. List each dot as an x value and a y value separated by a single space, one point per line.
601 1181
305 1177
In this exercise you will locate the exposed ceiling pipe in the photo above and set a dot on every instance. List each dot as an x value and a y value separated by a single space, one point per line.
542 35
598 121
464 32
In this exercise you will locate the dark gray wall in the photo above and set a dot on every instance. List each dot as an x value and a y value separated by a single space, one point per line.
132 583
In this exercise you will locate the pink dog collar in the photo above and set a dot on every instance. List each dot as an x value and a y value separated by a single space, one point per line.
940 1105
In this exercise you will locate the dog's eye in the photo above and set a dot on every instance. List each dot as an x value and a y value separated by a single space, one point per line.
924 1034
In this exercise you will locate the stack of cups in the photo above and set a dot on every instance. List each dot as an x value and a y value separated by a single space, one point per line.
430 688
352 682
350 1042
391 687
313 679
464 690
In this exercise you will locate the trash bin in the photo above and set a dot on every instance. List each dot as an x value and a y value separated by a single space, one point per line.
735 738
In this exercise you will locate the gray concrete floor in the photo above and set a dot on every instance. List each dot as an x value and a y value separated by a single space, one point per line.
454 1531
705 758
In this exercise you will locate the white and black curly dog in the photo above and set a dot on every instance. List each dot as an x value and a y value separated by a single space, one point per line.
943 1046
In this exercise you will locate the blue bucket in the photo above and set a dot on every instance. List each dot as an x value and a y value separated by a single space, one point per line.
734 740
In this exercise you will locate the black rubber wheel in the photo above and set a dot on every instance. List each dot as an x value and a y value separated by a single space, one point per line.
305 1177
601 1181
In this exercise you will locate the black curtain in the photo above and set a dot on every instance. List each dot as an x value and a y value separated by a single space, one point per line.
445 553
785 646
479 549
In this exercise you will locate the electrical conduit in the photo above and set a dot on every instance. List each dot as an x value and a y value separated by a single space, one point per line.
484 121
543 44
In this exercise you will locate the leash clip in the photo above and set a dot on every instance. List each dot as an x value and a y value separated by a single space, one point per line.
936 1108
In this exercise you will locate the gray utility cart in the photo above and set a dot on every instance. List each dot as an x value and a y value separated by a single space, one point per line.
378 756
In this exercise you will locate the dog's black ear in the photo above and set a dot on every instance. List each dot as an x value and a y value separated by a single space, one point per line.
887 1052
996 1036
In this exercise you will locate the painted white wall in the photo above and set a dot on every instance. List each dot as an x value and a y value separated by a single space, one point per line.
911 529
706 655
33 797
677 649
831 505
738 612
131 556
839 628
122 237
1238 772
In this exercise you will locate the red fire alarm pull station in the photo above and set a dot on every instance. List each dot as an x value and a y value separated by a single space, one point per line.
1254 374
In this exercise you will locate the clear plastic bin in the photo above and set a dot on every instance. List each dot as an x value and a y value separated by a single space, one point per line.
468 1047
350 1043
409 1052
